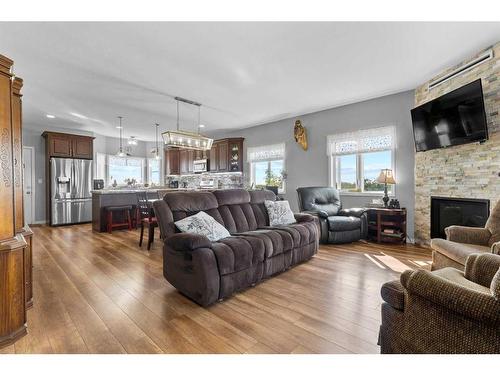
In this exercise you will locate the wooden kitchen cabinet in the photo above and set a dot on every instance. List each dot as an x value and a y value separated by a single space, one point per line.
223 158
172 161
62 145
82 147
183 162
235 154
190 156
213 157
226 155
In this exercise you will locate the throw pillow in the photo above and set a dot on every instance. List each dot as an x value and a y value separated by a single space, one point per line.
279 213
495 285
203 223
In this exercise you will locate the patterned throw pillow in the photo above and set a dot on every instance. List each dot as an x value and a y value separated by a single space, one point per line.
204 224
279 213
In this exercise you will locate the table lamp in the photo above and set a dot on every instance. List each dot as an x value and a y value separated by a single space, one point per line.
386 177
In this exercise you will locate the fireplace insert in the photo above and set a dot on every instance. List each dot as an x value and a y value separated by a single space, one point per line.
457 211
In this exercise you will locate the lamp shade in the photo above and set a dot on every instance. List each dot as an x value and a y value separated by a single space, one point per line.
386 177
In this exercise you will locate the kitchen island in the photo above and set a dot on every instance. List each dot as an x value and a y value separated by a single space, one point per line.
118 197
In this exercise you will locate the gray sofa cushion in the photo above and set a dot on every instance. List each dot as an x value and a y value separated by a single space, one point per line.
343 223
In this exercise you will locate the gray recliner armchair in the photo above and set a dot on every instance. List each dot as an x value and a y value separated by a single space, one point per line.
337 225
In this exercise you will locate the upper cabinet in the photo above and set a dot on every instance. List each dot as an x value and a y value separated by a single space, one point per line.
172 161
226 155
61 145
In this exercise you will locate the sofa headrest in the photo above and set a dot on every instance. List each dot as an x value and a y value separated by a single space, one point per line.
259 196
232 196
190 201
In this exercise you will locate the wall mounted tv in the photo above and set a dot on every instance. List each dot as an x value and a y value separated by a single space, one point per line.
455 118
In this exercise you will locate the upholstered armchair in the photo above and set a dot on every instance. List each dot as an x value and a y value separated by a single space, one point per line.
444 311
462 241
337 225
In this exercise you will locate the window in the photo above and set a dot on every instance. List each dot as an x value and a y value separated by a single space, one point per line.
267 166
356 159
154 171
123 170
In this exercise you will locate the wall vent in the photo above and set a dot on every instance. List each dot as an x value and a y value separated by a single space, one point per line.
488 55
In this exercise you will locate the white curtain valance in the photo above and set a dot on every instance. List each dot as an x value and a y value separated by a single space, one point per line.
369 140
266 152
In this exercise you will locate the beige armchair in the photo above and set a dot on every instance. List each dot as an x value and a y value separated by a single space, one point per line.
462 241
444 311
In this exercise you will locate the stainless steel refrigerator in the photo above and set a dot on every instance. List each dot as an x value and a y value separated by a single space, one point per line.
71 182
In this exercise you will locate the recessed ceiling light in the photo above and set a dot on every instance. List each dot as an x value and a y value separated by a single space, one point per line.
119 127
50 116
201 126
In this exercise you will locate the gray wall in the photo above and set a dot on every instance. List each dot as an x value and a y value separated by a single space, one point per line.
32 137
310 168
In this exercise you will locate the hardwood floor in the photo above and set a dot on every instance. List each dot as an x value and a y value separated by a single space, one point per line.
101 293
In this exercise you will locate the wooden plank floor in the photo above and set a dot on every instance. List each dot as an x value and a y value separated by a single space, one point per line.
101 293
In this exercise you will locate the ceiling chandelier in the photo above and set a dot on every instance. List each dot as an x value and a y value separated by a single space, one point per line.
120 152
184 139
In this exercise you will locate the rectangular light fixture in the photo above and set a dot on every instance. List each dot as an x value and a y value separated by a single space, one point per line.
183 139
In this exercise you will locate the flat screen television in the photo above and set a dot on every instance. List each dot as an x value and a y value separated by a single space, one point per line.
455 118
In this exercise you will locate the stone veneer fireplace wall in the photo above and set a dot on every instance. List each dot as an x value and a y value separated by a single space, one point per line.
466 171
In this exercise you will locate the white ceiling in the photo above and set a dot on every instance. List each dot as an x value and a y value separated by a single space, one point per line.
244 73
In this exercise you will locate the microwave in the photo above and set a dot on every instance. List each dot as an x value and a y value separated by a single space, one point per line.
200 165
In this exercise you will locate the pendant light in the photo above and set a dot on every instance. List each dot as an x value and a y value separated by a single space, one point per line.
132 141
120 152
157 156
184 139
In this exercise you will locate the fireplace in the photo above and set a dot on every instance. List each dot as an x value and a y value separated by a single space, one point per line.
457 211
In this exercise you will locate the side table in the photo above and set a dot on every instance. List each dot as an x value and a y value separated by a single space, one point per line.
387 225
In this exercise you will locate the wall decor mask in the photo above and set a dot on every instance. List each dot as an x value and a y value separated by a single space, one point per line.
300 135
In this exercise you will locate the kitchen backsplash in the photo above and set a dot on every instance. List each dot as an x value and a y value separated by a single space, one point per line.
220 180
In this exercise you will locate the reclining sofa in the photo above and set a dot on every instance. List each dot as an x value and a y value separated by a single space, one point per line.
208 271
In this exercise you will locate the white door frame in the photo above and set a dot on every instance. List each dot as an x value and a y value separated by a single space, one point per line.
33 185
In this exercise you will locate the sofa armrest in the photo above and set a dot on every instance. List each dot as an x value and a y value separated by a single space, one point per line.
495 248
451 296
356 212
304 217
470 235
392 292
480 268
320 213
187 241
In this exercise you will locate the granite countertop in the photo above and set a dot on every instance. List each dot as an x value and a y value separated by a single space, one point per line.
133 191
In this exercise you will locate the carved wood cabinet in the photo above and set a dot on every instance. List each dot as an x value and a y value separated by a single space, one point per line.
15 278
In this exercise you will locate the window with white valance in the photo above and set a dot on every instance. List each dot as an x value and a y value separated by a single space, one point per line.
356 159
370 140
267 165
266 152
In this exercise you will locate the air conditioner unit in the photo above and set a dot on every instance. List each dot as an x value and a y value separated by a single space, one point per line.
488 55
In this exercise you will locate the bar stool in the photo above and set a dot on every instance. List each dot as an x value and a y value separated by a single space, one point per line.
124 210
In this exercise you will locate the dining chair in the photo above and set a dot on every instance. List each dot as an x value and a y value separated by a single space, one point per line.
147 217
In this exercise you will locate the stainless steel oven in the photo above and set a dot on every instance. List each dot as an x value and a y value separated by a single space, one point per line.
200 165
